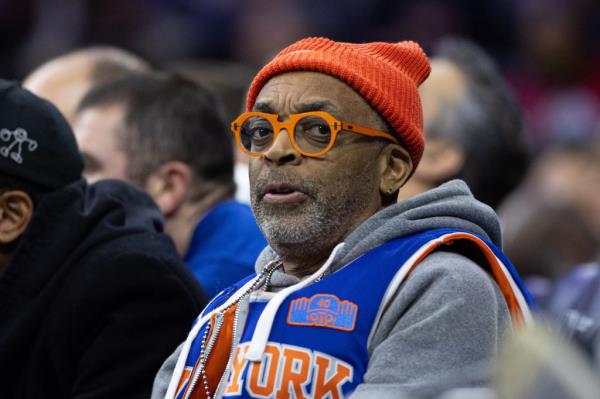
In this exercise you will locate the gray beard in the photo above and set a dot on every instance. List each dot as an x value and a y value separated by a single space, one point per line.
320 222
306 223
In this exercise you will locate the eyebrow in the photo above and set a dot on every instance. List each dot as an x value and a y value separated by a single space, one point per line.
263 107
317 106
313 106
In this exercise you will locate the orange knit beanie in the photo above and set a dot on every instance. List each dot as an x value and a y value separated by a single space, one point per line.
386 75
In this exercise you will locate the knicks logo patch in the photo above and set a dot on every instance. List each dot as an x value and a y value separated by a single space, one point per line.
323 310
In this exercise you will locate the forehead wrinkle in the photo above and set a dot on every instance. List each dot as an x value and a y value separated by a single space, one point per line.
296 92
300 107
319 105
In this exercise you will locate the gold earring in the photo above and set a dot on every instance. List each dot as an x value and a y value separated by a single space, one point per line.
390 190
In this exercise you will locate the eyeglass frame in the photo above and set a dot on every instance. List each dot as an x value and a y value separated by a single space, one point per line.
289 125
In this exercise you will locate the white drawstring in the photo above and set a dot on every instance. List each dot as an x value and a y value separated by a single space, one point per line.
265 322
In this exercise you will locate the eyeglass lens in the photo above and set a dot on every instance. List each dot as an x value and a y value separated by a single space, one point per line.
312 134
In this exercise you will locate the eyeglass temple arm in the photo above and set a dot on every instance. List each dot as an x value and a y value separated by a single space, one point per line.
367 131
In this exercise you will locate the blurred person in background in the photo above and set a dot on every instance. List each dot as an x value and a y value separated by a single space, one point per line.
561 189
573 304
473 124
229 81
64 80
538 363
356 295
93 295
166 134
557 205
555 69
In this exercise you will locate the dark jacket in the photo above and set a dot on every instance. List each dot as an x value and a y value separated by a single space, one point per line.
573 303
94 299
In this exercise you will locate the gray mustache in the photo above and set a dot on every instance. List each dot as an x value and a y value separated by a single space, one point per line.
260 184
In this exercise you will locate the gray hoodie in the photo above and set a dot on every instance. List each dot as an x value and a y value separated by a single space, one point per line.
445 322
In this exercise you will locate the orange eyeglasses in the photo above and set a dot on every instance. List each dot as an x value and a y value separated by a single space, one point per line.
313 133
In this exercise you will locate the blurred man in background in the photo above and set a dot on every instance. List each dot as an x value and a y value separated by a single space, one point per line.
473 124
229 80
92 295
166 134
557 205
64 80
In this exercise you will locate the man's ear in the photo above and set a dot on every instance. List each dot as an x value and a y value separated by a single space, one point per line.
16 211
169 186
441 161
396 166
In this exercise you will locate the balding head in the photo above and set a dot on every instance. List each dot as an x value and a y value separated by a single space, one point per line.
66 79
444 88
473 125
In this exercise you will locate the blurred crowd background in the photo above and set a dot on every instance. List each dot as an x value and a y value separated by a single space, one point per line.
548 51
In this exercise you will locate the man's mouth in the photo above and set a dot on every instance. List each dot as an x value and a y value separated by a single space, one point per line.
283 194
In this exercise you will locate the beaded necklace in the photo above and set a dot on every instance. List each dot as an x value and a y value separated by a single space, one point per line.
262 282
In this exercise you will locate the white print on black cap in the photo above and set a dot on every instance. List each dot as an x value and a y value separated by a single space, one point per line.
18 137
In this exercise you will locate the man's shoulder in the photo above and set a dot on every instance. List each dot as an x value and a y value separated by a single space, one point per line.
143 256
447 291
232 214
456 271
445 280
144 245
228 234
232 207
142 263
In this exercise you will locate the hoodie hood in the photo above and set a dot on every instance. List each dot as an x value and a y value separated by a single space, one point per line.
451 205
70 221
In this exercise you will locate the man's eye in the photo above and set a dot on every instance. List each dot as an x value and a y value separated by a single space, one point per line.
260 132
317 133
317 130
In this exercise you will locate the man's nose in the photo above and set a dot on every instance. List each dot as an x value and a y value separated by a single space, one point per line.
282 151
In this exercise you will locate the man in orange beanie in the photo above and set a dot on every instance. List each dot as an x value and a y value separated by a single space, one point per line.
355 295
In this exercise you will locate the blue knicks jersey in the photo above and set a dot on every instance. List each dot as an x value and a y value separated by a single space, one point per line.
316 344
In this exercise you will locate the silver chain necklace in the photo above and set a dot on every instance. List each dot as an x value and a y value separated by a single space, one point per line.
206 346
